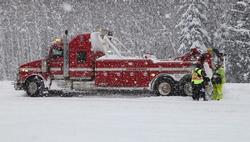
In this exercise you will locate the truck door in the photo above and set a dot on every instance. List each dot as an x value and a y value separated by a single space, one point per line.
55 62
81 66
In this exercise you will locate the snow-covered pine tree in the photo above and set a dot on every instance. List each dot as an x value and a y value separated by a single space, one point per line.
192 26
216 15
234 38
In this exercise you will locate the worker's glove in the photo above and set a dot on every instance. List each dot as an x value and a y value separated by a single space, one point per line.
202 90
216 79
207 79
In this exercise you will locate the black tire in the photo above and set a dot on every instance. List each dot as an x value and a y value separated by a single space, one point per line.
164 87
67 94
35 87
185 86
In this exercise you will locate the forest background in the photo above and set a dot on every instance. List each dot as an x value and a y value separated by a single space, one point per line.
165 28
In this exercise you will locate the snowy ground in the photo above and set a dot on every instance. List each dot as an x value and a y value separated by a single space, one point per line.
124 118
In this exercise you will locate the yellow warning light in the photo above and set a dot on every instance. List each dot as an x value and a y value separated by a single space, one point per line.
57 40
209 50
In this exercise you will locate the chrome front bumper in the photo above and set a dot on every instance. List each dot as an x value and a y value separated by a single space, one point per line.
18 85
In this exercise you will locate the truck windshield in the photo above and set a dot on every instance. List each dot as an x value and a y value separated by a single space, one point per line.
56 52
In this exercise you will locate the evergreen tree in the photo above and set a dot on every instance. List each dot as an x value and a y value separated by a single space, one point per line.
28 27
234 38
192 26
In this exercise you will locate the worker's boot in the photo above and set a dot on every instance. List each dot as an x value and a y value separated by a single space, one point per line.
204 97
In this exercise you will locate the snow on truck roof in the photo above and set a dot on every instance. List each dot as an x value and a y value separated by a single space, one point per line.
115 50
110 46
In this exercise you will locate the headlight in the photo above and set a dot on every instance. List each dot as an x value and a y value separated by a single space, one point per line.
152 74
24 70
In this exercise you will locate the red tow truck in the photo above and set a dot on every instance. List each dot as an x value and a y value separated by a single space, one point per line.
97 60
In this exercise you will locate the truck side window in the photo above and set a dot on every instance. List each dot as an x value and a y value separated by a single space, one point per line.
56 53
81 56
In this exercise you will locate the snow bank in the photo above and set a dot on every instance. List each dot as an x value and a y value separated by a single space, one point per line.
124 118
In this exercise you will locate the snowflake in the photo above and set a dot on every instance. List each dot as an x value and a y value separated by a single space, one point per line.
67 7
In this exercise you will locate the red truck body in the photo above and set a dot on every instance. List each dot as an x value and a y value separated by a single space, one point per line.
103 71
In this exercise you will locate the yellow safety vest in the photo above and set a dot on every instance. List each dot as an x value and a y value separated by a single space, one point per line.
197 76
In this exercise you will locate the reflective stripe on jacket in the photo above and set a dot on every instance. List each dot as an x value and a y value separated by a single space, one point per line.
197 77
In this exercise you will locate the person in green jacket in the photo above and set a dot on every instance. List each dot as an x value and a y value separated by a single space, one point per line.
198 83
218 79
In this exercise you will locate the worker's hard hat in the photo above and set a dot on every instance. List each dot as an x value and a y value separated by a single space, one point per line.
219 64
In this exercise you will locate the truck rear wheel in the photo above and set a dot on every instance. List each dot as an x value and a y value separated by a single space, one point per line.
186 86
34 87
164 87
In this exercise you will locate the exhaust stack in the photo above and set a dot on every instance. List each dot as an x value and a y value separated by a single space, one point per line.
66 55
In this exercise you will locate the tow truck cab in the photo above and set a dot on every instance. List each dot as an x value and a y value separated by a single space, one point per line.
81 60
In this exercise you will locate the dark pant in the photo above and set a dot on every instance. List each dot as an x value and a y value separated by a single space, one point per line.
198 91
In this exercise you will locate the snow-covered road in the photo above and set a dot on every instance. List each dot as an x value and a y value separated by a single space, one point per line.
123 118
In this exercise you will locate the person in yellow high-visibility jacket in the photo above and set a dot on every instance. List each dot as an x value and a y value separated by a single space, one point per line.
218 80
198 86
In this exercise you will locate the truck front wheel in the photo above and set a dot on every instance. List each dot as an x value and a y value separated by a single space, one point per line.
164 87
34 87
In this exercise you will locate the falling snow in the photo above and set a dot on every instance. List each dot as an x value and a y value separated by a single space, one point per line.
28 27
